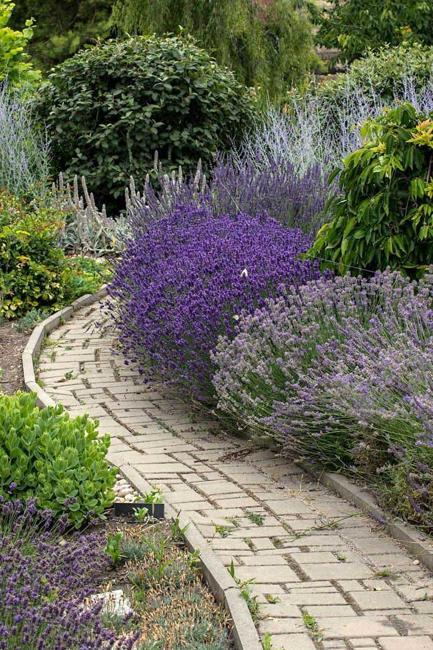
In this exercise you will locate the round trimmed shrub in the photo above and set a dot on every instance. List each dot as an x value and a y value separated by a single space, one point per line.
56 459
109 108
385 216
186 281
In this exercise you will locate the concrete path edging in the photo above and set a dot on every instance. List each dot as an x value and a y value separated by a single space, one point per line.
222 585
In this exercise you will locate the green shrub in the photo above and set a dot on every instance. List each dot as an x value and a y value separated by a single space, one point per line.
35 274
383 73
56 459
110 107
32 266
267 44
385 216
14 62
354 26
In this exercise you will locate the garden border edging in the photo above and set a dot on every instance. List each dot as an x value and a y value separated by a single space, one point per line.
412 540
222 585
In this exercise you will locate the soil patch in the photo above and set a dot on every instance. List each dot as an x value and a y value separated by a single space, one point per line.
12 344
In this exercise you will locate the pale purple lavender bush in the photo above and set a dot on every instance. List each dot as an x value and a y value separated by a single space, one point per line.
340 372
45 580
187 279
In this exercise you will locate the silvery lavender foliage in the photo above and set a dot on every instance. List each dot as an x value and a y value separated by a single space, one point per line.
186 281
44 582
316 131
340 372
24 150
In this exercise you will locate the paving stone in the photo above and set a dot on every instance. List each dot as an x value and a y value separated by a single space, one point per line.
337 571
331 610
416 624
406 643
280 610
314 557
308 599
267 574
356 626
377 600
281 625
292 642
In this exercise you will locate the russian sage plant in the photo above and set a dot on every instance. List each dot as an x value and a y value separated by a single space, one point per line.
186 281
340 372
24 149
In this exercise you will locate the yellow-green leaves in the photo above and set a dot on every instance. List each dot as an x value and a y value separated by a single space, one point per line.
385 217
14 62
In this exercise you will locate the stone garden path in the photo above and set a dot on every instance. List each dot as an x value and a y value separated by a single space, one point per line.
325 575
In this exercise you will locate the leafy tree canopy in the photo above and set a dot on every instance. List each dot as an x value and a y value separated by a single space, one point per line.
354 26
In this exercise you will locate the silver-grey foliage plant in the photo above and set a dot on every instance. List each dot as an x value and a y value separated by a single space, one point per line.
317 131
24 148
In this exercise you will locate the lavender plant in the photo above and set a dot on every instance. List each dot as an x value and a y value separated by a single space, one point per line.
187 280
339 372
236 184
24 150
45 580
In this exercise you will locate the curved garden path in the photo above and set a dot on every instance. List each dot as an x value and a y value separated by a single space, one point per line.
325 575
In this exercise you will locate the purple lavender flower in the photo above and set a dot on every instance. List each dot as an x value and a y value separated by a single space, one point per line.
340 371
188 279
44 582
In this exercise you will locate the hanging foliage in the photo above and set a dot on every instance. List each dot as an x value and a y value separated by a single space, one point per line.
267 43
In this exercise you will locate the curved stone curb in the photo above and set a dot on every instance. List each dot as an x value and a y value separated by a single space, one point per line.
413 541
222 585
407 535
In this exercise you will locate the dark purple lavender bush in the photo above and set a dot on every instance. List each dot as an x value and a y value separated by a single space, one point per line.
340 372
239 184
186 281
44 582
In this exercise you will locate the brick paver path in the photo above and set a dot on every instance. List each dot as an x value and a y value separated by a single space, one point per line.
325 575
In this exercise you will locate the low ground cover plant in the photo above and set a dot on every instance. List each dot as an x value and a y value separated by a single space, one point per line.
50 575
339 372
187 280
45 578
174 609
55 459
384 217
108 108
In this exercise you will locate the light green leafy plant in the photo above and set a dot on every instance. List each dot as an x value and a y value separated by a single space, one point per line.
385 216
14 62
59 460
